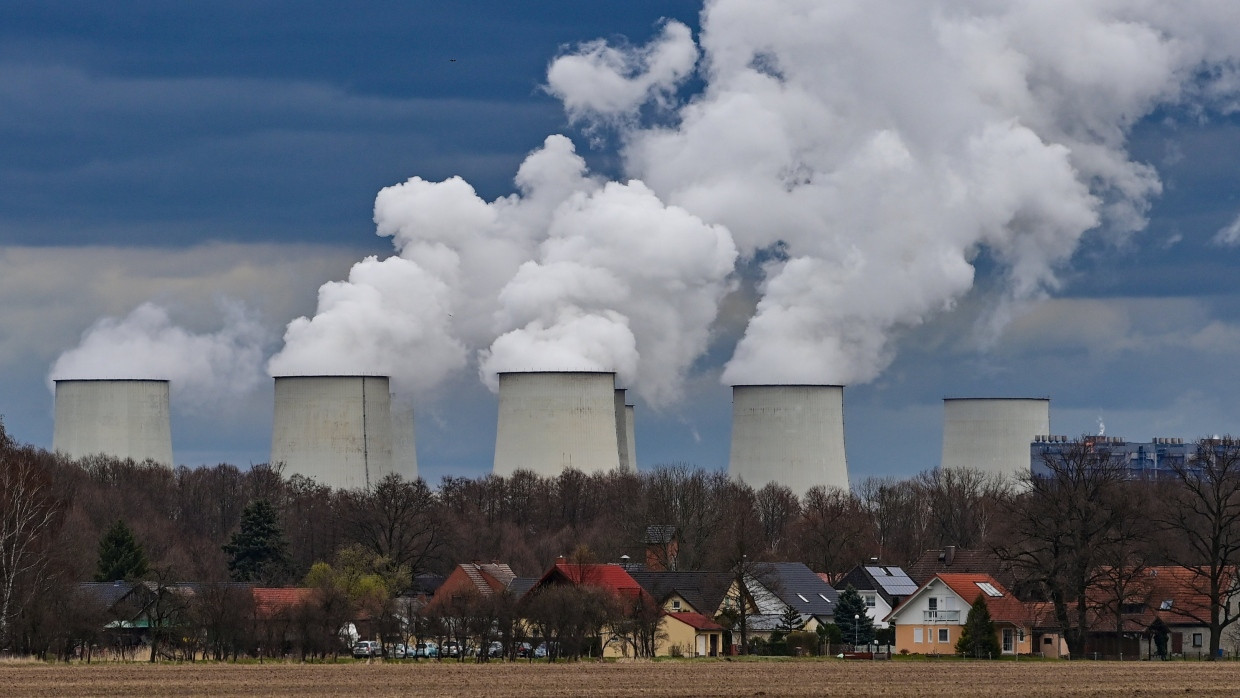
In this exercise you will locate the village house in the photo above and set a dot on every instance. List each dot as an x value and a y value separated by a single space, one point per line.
931 619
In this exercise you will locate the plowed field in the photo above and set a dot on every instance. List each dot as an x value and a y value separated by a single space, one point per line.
684 678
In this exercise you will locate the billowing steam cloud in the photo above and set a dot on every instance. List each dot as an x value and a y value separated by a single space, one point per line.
568 274
204 370
868 151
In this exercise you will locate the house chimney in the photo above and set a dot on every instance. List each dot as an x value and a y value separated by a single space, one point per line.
949 554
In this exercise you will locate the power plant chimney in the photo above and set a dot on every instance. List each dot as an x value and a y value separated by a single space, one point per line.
336 430
553 420
789 434
992 434
117 418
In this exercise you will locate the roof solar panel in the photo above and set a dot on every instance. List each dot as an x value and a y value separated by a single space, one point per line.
892 580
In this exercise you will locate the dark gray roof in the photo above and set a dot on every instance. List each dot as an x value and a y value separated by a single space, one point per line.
519 586
702 590
798 586
105 594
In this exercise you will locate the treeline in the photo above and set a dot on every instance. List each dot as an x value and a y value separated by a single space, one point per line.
1058 536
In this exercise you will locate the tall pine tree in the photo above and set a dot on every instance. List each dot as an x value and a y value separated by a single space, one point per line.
978 639
120 555
258 551
854 622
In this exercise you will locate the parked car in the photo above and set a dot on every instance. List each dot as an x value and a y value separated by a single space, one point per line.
367 649
426 649
524 650
399 651
450 649
540 652
495 650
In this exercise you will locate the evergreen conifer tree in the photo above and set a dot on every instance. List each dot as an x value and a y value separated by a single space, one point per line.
854 622
978 638
258 551
120 555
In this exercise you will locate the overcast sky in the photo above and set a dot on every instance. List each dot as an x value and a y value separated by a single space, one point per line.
931 199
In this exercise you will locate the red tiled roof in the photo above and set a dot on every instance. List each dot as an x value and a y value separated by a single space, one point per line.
1183 591
696 620
1003 609
606 576
269 601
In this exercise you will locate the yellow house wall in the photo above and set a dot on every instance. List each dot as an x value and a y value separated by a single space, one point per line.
672 633
931 645
678 634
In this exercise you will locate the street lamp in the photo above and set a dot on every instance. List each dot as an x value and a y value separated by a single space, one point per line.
856 630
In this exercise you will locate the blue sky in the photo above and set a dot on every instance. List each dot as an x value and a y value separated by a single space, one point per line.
193 155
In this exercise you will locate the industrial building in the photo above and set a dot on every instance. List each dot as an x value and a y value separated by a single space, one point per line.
553 420
113 417
789 434
1150 460
336 430
992 434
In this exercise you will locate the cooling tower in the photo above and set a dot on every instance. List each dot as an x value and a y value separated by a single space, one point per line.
118 418
404 449
622 431
992 434
790 434
549 421
336 430
630 436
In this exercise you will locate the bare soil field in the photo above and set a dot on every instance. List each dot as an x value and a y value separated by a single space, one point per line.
673 678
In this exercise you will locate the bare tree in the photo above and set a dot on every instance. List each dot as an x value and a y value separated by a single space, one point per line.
899 517
833 530
30 512
1203 513
1064 526
399 521
964 505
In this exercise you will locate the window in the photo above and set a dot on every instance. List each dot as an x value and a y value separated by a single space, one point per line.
869 601
823 597
917 635
802 597
1196 639
988 588
1020 635
1009 640
1165 605
933 603
944 635
676 605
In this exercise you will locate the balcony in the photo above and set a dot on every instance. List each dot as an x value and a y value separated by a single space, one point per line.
940 616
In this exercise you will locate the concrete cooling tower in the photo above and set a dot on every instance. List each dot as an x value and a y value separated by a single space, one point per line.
404 450
549 421
992 434
630 436
336 430
622 431
789 434
118 418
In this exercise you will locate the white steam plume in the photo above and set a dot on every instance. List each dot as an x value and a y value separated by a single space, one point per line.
629 282
568 274
882 145
204 370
